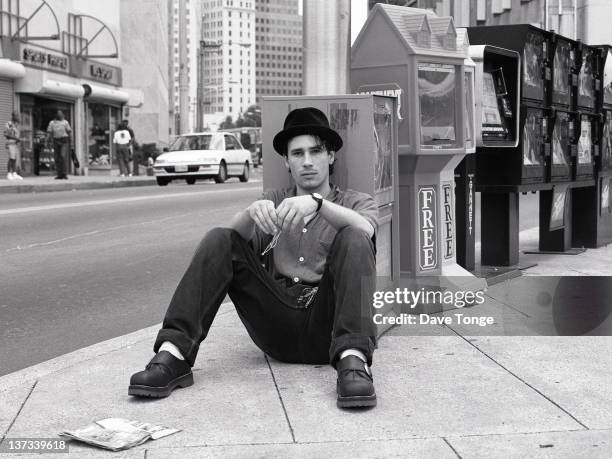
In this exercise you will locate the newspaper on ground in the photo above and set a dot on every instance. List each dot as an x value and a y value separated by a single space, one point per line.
117 434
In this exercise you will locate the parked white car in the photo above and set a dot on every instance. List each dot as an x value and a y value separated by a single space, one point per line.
206 155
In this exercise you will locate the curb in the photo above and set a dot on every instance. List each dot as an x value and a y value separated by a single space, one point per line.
70 186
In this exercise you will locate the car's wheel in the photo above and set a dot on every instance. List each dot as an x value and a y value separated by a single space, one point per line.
222 175
162 181
245 173
190 180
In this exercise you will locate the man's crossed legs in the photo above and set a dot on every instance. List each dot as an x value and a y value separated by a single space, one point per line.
337 322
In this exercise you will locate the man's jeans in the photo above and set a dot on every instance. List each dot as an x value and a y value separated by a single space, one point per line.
60 155
338 318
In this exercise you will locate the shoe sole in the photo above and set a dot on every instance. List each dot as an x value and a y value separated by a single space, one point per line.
357 401
161 392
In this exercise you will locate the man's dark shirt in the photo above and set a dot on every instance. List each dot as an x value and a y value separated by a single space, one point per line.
300 255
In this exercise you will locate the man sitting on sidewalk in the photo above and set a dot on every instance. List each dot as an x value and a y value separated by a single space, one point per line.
299 266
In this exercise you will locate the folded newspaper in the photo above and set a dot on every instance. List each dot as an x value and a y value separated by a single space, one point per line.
117 434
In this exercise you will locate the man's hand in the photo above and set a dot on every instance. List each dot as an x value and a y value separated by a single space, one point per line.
264 215
291 211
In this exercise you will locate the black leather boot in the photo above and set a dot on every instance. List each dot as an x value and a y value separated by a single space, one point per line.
355 386
161 376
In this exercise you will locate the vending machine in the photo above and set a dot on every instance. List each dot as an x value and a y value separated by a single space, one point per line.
524 166
419 58
592 210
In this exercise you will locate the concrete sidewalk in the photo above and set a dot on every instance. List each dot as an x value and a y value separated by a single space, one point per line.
443 391
74 182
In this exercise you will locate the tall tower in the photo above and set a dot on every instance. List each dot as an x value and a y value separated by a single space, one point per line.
278 48
228 59
184 29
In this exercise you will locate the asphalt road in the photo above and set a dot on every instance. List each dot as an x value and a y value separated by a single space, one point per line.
80 267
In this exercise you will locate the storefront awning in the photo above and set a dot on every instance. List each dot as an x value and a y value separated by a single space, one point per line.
11 69
95 92
60 88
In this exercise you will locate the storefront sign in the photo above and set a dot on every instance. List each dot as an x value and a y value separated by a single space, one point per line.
99 72
44 59
96 71
428 235
448 227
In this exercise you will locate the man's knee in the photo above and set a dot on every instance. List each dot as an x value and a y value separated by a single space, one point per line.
217 240
353 238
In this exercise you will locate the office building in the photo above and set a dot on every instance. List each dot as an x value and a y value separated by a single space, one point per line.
191 27
228 59
278 49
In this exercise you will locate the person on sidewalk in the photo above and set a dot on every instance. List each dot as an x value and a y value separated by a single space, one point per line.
122 140
299 265
59 132
13 141
134 155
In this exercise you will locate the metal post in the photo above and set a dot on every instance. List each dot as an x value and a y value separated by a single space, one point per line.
200 89
327 47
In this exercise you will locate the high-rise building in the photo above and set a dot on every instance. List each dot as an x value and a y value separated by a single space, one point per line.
191 23
411 3
278 49
228 59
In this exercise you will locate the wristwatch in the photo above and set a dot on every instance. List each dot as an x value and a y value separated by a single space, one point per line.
317 197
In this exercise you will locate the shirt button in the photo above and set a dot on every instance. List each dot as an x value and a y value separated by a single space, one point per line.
296 279
304 230
301 258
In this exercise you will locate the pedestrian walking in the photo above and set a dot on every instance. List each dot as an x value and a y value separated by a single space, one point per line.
122 140
134 154
58 133
13 145
299 265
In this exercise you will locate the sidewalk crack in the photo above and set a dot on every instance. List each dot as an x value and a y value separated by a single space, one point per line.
520 379
281 400
451 447
18 412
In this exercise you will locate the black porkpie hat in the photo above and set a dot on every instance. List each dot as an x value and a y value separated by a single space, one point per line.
306 121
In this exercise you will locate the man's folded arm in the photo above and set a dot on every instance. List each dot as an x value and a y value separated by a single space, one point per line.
339 217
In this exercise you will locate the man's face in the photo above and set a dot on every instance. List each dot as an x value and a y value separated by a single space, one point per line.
60 115
15 117
309 161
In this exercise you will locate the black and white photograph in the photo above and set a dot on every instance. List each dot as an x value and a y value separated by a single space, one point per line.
305 228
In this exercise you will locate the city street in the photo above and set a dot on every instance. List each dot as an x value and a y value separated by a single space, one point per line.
81 267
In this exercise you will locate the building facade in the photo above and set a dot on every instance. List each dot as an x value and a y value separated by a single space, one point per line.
278 48
144 59
191 21
227 56
75 57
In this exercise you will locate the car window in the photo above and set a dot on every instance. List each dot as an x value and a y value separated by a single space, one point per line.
231 143
191 142
245 139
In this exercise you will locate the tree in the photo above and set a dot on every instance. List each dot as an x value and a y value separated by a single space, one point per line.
252 116
227 123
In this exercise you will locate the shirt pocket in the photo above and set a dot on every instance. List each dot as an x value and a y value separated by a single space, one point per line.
324 245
